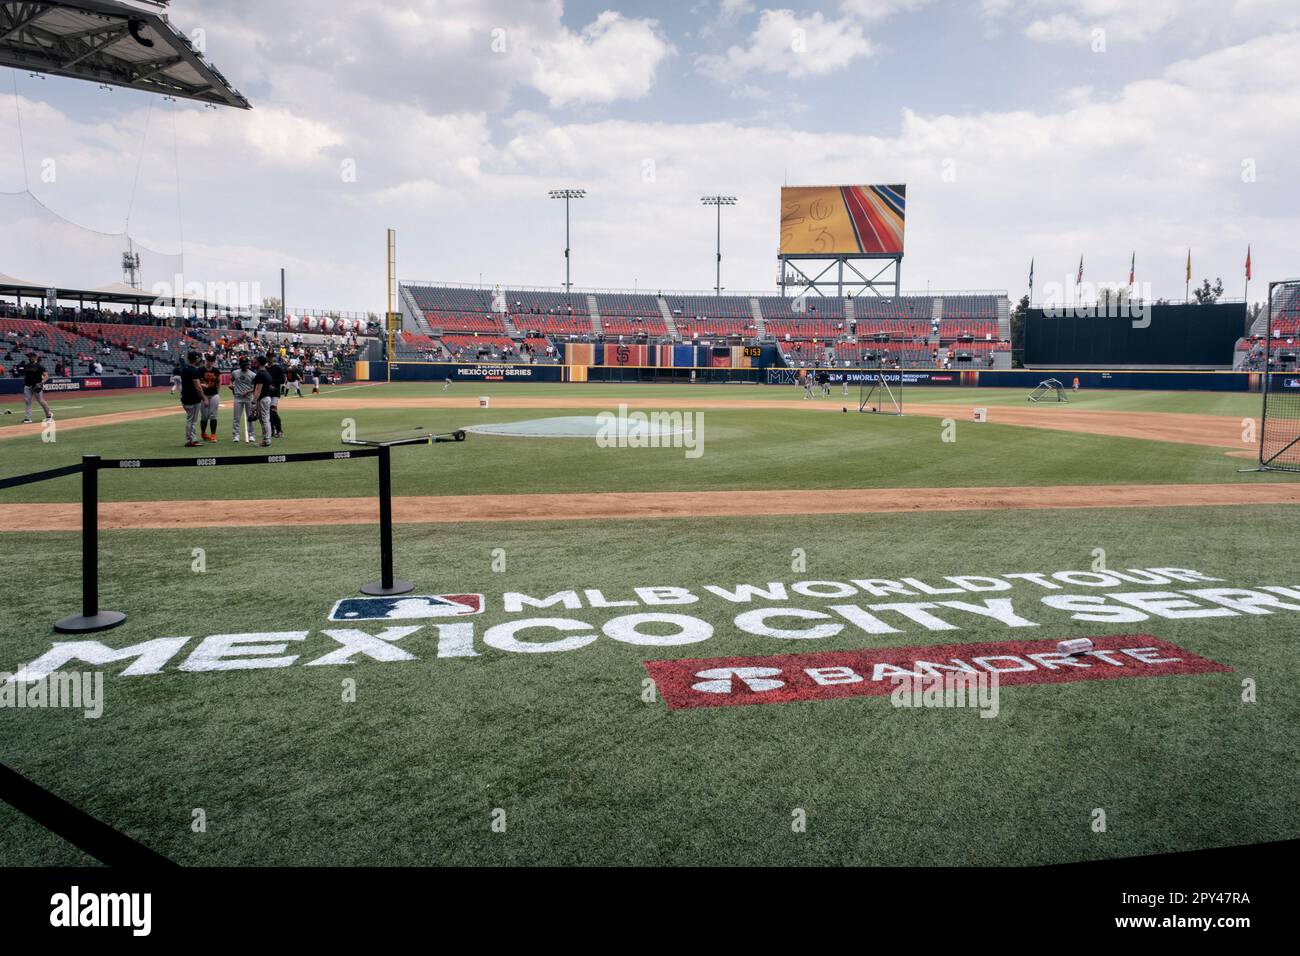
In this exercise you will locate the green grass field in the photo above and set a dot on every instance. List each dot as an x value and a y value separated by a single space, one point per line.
771 449
563 746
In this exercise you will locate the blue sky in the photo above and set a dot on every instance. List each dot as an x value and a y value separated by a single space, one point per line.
1043 128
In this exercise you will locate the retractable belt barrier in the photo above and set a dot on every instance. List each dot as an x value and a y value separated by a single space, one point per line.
92 618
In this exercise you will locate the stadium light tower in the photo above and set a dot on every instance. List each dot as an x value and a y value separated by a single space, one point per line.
719 201
566 195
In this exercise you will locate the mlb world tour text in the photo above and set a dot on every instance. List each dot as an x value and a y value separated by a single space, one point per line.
667 615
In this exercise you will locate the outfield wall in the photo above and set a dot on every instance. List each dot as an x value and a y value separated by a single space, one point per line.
1190 336
87 383
1147 380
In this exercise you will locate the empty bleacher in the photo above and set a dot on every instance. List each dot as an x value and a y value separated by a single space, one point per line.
648 325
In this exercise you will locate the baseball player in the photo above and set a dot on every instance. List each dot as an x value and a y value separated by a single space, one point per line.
447 384
241 387
263 385
34 379
294 377
192 398
211 386
315 378
276 370
176 375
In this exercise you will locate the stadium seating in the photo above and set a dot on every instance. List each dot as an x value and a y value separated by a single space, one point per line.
465 322
952 329
901 307
698 327
477 343
446 299
553 324
805 328
640 325
712 307
896 329
627 304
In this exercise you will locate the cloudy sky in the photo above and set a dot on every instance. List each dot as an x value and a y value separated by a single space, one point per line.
1022 128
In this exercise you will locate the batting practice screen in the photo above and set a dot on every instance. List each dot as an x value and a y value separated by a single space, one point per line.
843 220
1279 445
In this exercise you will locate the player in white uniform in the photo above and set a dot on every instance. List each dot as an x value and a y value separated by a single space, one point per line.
241 385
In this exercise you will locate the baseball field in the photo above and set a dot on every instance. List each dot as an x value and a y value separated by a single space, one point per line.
678 654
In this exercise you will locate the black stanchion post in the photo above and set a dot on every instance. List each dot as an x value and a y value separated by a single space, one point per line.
386 584
91 617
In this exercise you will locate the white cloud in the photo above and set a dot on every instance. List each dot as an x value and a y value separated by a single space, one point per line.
1137 21
731 10
612 58
795 46
873 10
443 156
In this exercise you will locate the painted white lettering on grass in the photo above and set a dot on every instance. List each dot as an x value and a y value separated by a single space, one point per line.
237 652
377 647
756 623
1171 605
148 657
1091 607
503 636
514 602
746 593
627 629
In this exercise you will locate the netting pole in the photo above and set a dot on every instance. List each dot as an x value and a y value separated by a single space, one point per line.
91 617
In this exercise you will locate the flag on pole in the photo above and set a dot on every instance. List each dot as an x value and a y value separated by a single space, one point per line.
1031 273
1132 265
1247 263
1078 280
1189 265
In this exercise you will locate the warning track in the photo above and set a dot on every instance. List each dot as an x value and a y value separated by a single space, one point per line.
637 505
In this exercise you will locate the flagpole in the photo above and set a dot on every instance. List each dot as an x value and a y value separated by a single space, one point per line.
1246 292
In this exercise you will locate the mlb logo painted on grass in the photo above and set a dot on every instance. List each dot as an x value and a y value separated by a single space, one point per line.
407 607
875 672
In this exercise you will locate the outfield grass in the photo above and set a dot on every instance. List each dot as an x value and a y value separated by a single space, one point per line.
759 449
589 773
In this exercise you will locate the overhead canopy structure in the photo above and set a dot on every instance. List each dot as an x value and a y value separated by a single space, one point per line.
115 294
116 42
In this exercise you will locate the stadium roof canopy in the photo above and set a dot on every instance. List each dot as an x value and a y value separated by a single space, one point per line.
118 42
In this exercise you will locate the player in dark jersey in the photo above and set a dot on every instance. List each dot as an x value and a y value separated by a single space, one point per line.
278 378
192 398
34 378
